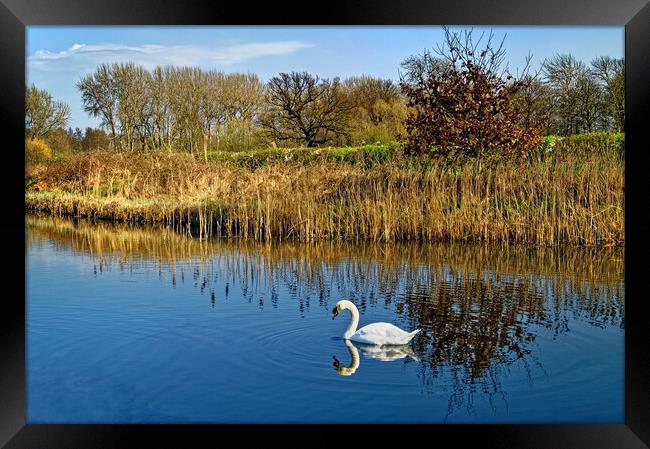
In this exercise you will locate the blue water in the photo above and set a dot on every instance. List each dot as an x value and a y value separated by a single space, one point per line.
126 327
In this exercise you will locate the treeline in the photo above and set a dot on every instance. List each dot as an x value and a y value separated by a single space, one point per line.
190 109
457 97
580 97
463 100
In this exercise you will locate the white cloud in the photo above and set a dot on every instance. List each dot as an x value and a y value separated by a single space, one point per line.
87 56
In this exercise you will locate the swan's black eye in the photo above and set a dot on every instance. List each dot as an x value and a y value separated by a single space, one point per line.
335 312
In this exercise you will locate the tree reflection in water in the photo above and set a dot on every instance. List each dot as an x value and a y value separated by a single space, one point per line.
478 305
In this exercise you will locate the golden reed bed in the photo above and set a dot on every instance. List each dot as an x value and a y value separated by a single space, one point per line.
568 199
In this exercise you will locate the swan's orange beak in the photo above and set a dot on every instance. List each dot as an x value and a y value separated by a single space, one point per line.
335 312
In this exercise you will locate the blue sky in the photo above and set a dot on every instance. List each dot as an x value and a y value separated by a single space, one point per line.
57 56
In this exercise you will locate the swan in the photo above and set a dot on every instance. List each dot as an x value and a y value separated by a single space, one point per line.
375 333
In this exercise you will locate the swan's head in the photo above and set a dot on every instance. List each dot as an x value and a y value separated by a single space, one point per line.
342 305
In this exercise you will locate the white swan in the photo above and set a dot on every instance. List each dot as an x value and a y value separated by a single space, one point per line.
375 333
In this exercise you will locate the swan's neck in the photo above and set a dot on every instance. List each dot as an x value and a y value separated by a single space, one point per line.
354 322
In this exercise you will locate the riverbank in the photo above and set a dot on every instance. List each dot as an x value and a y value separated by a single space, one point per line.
339 194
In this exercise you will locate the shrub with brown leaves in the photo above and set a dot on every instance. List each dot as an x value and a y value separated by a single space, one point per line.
463 104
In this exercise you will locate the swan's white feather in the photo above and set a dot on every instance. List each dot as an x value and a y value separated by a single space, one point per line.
383 334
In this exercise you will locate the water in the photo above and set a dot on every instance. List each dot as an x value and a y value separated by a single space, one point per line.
133 325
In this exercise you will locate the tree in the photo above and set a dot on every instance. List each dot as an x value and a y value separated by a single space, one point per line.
210 87
185 105
172 106
241 97
417 68
43 114
576 96
95 139
585 98
365 91
379 110
131 83
305 109
60 141
465 104
100 96
561 73
159 116
76 137
611 74
535 101
589 102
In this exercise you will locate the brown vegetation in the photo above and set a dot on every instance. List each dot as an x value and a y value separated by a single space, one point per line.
563 198
466 104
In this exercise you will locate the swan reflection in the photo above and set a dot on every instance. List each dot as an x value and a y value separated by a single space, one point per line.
383 353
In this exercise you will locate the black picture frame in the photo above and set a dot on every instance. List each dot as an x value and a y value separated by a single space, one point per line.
15 15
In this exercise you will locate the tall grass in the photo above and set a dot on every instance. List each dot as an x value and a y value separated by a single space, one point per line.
561 197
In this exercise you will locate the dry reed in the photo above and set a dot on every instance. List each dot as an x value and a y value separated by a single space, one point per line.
577 200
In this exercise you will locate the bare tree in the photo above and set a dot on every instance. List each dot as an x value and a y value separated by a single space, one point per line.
99 95
242 97
158 114
209 86
417 68
131 82
561 73
185 105
535 98
585 99
460 50
611 73
43 114
305 109
589 102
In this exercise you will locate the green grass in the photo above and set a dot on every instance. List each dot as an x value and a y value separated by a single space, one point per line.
367 155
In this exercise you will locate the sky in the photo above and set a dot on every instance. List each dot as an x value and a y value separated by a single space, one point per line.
58 56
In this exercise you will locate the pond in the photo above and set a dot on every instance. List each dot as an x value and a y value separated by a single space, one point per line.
128 324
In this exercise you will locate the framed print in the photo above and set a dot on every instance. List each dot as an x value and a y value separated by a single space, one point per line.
428 215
